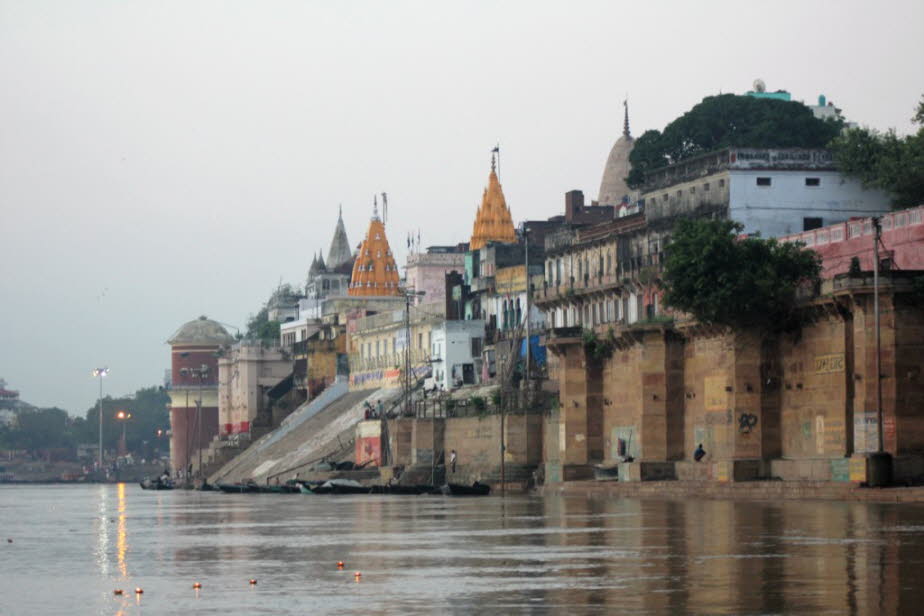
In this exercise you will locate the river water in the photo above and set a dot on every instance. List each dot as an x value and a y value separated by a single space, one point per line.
73 545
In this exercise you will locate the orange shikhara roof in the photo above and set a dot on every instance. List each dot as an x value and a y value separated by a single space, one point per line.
493 222
374 271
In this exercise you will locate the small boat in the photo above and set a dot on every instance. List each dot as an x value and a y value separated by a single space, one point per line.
606 473
398 489
455 489
157 484
239 488
340 486
278 489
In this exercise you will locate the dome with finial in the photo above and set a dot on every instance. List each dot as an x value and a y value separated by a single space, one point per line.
374 270
339 252
493 222
202 331
613 186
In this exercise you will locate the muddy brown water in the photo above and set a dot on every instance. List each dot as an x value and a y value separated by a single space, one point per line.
74 545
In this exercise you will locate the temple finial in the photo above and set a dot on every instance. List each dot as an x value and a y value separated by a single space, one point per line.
493 161
340 211
625 125
375 206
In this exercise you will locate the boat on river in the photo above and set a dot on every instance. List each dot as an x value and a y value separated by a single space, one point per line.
239 488
338 486
455 489
158 483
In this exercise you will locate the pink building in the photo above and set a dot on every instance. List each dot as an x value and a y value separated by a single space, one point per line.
902 242
426 271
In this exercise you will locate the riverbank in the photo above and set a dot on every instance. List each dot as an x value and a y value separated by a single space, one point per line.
750 490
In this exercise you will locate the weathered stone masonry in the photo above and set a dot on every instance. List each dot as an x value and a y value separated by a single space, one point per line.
794 406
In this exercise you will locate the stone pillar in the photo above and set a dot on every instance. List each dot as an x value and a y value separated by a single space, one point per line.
745 397
573 415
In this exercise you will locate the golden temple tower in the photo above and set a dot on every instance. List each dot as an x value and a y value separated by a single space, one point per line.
493 222
374 271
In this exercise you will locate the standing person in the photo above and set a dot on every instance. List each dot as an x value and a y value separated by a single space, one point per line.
452 461
380 409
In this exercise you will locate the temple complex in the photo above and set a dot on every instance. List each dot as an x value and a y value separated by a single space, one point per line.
339 253
613 185
493 222
375 272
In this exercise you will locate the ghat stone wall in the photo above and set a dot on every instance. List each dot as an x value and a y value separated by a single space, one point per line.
808 397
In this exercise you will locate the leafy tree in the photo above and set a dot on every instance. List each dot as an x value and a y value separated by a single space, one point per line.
148 408
259 326
729 120
736 282
886 161
38 430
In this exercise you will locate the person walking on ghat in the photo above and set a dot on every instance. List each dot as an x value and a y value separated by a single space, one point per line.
452 461
700 453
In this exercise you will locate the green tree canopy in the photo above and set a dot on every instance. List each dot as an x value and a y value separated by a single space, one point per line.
148 408
36 430
729 120
886 161
736 282
259 326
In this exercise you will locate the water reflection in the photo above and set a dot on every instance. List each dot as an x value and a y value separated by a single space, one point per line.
427 554
102 530
121 534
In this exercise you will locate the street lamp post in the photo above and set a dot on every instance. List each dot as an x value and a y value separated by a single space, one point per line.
100 372
123 416
201 373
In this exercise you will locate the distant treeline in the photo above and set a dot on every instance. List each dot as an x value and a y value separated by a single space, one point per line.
43 431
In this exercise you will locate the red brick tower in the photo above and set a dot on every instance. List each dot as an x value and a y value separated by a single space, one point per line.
194 376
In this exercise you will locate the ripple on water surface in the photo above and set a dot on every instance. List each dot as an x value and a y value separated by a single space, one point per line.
73 545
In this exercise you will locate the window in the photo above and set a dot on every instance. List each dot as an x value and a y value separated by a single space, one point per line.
706 187
811 223
679 193
476 347
692 190
763 181
813 181
721 183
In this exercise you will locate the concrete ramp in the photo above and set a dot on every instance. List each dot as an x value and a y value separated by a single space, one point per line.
322 427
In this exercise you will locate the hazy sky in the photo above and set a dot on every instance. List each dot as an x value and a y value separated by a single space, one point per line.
162 160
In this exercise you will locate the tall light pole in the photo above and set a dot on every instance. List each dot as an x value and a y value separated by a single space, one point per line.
100 372
123 416
203 372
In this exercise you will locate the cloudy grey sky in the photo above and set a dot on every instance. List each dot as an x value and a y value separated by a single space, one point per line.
162 160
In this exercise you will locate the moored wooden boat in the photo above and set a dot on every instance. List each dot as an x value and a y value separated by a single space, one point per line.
340 486
239 488
156 484
455 489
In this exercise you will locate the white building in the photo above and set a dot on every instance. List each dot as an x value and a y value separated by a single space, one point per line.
455 352
771 192
245 374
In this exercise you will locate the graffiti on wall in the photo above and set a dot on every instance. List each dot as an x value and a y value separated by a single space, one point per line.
746 422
